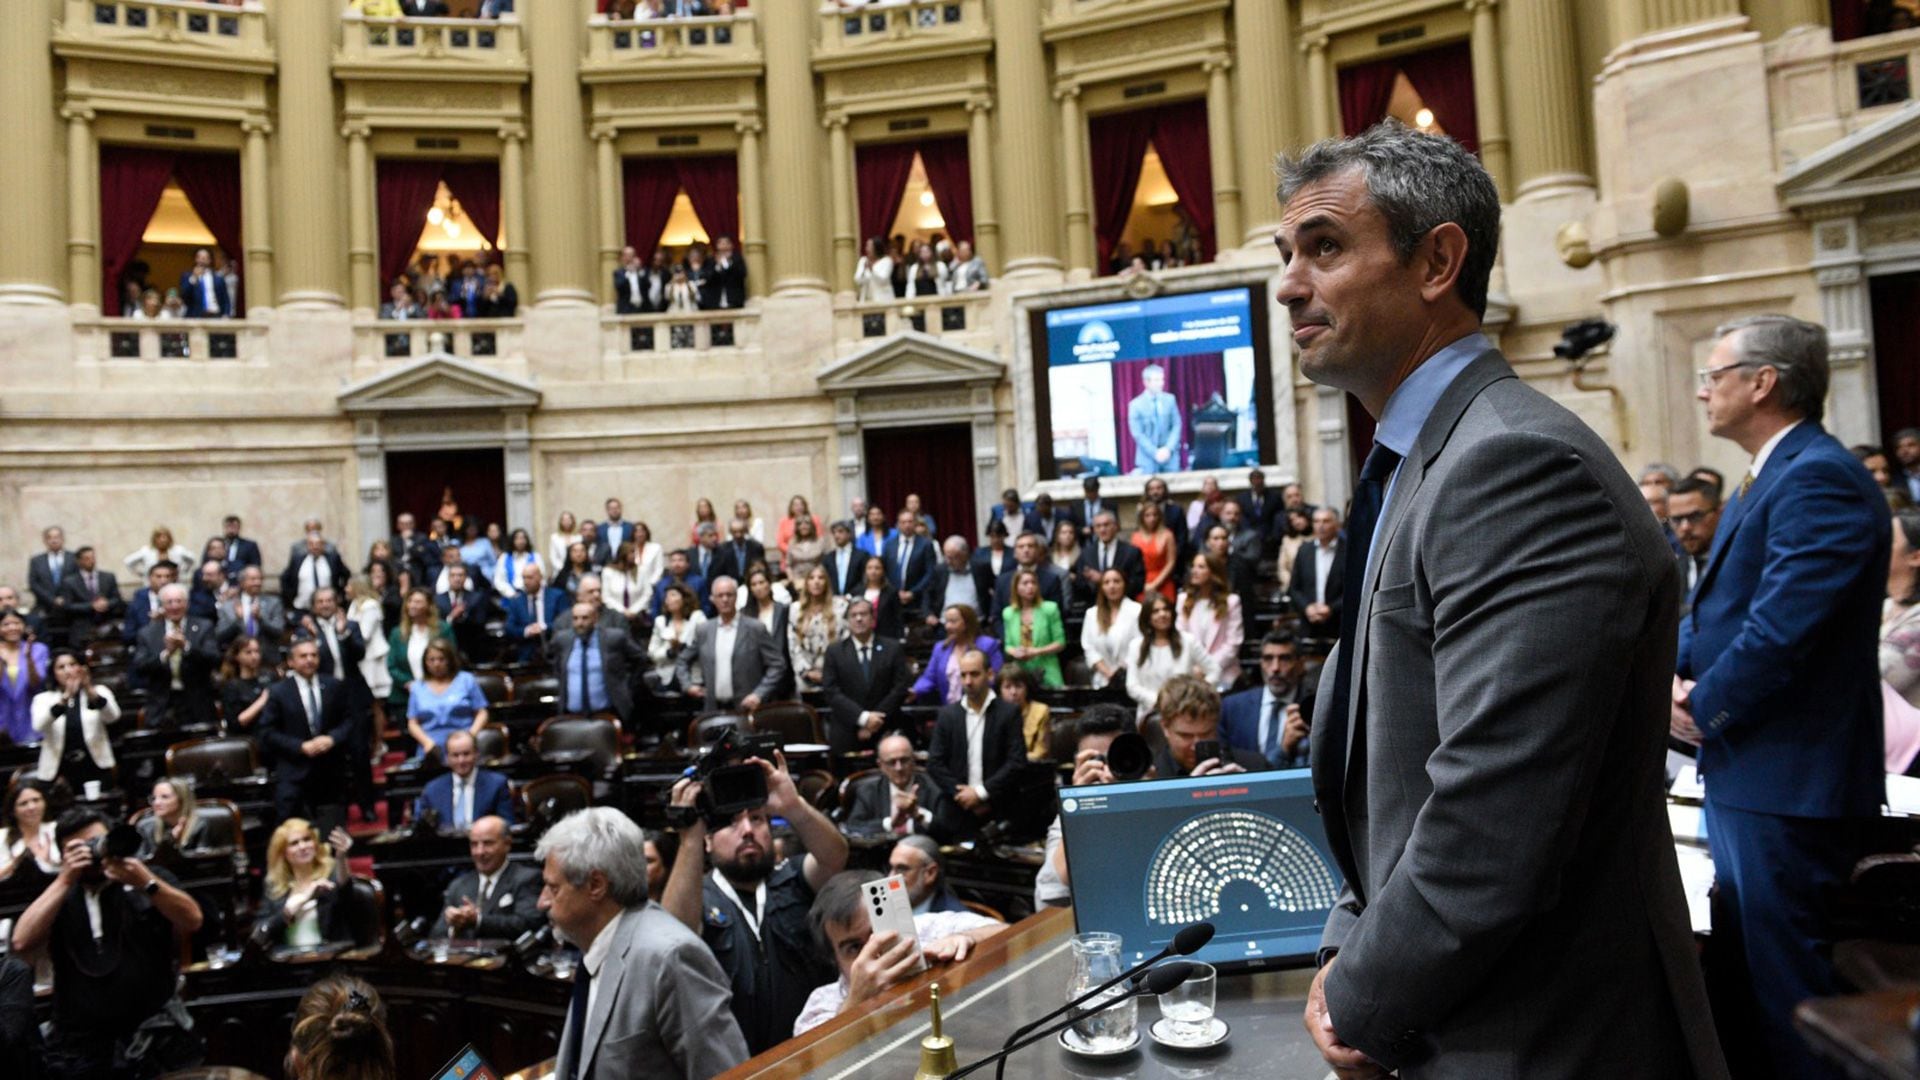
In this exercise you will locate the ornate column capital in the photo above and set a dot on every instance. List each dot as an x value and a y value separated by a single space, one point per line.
979 104
257 125
599 133
1474 6
751 125
356 129
1066 92
512 132
1314 43
833 121
76 111
1214 64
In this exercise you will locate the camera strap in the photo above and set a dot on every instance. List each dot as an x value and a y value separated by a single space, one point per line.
751 918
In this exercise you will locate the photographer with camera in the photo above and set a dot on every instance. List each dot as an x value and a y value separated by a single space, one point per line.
114 958
1095 761
750 912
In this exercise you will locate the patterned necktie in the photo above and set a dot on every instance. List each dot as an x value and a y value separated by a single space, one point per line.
1271 745
1746 482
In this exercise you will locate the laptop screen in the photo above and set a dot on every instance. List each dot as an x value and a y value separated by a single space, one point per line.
1245 852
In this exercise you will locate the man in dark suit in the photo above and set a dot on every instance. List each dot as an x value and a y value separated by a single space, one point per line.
596 666
297 550
317 566
1029 553
176 657
900 798
203 290
46 572
611 533
465 609
495 899
726 284
679 572
1244 547
732 662
306 729
704 558
909 560
90 597
1013 513
969 796
255 614
533 612
957 579
145 605
1107 550
866 679
465 793
1273 719
341 650
241 552
1693 509
846 564
630 284
1089 506
1488 760
413 552
1319 577
739 552
1778 681
1259 505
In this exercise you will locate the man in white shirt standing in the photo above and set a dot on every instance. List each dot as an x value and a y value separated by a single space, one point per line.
314 568
977 751
734 662
1319 574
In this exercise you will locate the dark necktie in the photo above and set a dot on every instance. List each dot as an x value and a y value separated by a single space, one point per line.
1271 746
866 663
586 704
1368 497
577 1019
313 706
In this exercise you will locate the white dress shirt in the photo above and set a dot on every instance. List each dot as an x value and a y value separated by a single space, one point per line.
977 744
595 957
1322 569
723 637
315 574
1766 449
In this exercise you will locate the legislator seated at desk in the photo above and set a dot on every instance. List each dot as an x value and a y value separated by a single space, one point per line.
899 798
495 899
917 861
465 793
307 889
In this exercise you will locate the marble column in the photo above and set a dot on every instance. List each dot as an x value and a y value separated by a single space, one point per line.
796 242
312 263
256 205
363 259
1081 249
1322 122
1549 101
559 228
609 201
986 219
1226 183
83 210
513 201
30 264
1488 93
1632 18
753 206
1263 111
846 203
1029 196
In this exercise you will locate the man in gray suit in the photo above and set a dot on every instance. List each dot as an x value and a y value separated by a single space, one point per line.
1153 419
734 662
596 666
648 997
1488 753
254 614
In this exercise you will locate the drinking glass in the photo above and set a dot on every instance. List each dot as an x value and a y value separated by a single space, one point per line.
1188 1008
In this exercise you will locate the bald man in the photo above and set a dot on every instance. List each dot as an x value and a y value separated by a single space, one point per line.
176 655
495 899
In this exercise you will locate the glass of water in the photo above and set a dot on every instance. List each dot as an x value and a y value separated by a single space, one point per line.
1188 1008
1101 1027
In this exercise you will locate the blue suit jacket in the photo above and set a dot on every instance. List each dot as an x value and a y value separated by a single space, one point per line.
693 581
917 573
491 795
520 616
1154 423
196 302
1783 638
1240 725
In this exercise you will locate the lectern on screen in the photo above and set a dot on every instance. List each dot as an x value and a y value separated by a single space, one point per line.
1245 852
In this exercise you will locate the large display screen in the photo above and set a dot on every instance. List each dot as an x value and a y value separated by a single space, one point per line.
1245 852
1162 385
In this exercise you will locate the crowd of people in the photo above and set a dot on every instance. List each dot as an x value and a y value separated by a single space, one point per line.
699 280
471 288
887 270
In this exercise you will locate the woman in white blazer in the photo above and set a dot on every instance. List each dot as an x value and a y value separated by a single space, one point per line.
565 533
161 547
1210 613
1111 627
73 704
512 562
1162 652
873 274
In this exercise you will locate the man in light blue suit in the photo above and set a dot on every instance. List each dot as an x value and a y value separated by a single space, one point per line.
466 792
1778 680
1153 419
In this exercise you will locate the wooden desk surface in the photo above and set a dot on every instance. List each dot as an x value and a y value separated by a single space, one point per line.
1866 1033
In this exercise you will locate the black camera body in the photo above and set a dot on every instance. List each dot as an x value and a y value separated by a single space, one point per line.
729 785
123 841
1128 756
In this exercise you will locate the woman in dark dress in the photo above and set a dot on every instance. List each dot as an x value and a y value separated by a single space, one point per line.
243 686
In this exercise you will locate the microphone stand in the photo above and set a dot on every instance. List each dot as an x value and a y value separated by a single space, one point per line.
1158 981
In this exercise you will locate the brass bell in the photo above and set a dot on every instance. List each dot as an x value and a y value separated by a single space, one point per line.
936 1050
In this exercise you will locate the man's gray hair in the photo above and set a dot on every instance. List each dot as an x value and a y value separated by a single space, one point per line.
1797 352
1418 182
604 839
838 901
173 589
956 543
584 578
925 845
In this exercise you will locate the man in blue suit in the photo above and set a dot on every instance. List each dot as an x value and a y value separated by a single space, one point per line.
1153 419
1274 719
204 291
466 792
1777 677
531 612
909 559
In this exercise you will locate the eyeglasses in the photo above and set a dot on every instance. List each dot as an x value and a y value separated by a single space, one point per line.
1694 518
1708 376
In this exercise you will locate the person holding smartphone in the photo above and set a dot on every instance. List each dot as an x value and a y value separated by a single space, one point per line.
1189 709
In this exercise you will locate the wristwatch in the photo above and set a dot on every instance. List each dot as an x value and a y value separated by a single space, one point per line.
152 886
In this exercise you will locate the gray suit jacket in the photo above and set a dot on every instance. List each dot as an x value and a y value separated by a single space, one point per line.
271 617
621 660
663 1006
1514 907
759 662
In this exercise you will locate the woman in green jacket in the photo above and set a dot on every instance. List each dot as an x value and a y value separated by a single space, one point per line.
1035 633
407 645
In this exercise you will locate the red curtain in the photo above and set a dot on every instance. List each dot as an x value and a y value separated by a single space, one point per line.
1365 90
648 188
212 184
713 187
881 171
936 462
1180 134
1849 18
1443 78
1190 379
952 184
1117 144
477 185
406 190
131 180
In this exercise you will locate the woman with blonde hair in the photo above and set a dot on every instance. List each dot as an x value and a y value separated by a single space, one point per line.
419 626
1111 627
797 511
175 820
1210 613
816 620
566 533
804 550
743 510
160 547
306 883
369 611
1159 549
1035 633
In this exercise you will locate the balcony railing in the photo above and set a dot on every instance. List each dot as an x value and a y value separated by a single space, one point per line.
215 341
239 28
479 41
384 340
715 39
851 29
941 316
679 332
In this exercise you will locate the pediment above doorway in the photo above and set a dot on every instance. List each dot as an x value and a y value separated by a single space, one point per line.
438 382
910 361
1880 159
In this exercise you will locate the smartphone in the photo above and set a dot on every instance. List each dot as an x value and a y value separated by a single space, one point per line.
1207 749
890 908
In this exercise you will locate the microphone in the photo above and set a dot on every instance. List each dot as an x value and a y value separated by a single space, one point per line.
1155 981
1190 940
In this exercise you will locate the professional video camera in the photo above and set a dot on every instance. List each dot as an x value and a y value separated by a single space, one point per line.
728 785
120 842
